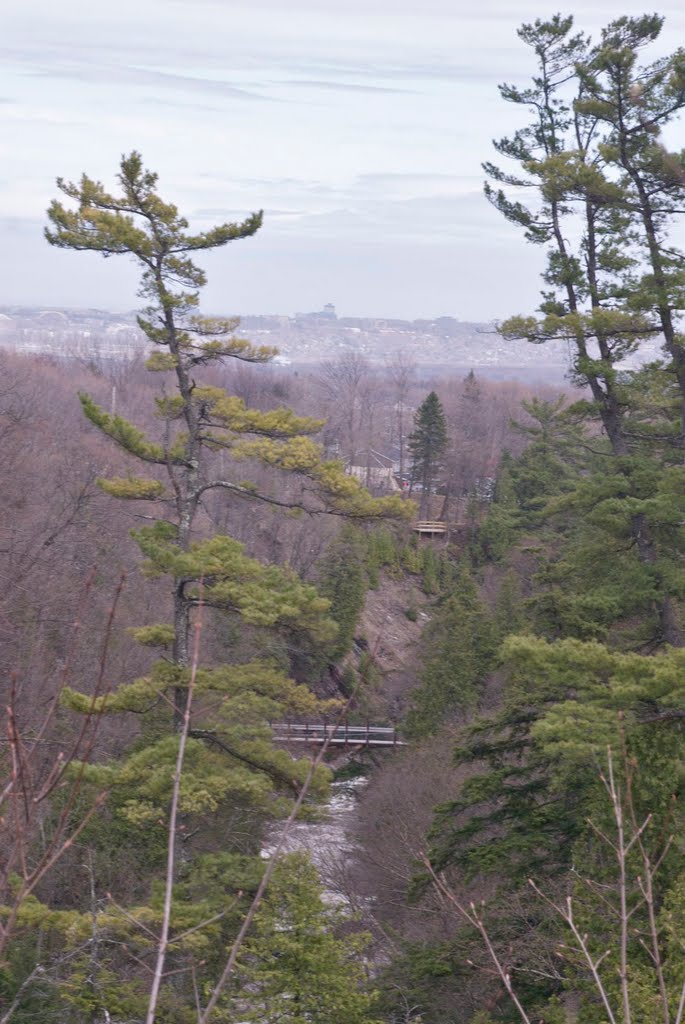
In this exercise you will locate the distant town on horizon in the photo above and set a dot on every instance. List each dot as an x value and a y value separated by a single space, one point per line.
304 338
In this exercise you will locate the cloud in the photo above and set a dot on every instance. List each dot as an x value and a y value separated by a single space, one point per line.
429 220
110 74
386 176
175 104
383 69
341 86
23 116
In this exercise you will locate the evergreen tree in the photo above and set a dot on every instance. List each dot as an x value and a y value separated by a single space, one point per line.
232 772
427 445
198 419
550 464
594 516
633 103
458 646
496 532
294 968
341 577
599 297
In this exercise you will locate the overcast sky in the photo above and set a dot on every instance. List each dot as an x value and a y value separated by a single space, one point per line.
358 125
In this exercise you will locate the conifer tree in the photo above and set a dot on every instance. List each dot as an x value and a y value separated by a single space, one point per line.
427 444
603 557
197 419
578 156
458 646
633 103
295 969
206 442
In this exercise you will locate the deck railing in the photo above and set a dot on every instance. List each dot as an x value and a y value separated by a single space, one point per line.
336 735
429 526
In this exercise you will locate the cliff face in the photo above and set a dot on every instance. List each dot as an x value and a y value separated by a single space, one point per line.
391 640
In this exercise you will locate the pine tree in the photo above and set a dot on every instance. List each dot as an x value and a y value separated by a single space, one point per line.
295 969
198 420
633 103
594 510
588 157
206 441
341 577
458 647
427 445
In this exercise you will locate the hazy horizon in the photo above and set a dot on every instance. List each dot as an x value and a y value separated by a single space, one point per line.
340 314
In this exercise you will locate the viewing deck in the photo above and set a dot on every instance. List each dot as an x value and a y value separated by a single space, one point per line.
430 526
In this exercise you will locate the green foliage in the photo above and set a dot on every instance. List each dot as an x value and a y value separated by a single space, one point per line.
410 557
458 646
294 969
525 809
382 547
549 464
338 492
342 580
427 446
132 488
138 222
369 672
264 595
382 553
234 777
122 432
429 575
508 820
349 683
100 951
599 693
158 635
497 532
509 616
601 582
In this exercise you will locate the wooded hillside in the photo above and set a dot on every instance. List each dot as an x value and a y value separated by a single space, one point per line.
220 573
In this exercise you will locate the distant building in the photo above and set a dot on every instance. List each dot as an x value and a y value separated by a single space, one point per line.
327 313
374 470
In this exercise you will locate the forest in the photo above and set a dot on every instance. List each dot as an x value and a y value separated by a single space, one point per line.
203 551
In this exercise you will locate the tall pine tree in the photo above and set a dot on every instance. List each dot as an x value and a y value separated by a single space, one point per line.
427 445
233 775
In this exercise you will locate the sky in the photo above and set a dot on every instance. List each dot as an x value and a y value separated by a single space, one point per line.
358 126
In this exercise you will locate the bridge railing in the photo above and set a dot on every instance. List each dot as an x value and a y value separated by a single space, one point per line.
429 526
336 735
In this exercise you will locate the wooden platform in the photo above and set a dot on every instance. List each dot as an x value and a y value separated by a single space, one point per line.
429 526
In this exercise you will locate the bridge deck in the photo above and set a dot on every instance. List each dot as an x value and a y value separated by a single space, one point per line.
336 735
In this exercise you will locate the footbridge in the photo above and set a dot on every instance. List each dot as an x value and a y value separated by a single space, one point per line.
339 735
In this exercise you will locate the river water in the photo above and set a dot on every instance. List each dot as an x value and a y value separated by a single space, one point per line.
328 840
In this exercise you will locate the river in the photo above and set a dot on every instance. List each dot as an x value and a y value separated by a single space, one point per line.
328 839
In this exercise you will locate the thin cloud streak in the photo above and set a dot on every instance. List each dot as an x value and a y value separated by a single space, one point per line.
113 75
341 86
